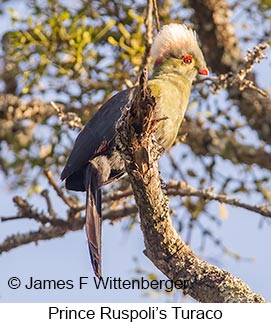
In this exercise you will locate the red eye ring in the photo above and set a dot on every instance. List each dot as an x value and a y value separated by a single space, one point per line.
187 59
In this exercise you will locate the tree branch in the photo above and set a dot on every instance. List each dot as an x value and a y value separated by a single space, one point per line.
183 189
174 188
118 214
209 142
164 247
69 118
203 141
70 202
156 15
52 226
27 211
223 54
239 79
44 233
148 35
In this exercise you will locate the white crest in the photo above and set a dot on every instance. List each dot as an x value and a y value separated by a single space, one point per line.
171 38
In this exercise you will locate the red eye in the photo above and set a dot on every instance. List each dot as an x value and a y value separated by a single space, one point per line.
187 59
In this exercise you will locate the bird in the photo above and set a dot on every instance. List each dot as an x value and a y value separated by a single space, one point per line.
95 161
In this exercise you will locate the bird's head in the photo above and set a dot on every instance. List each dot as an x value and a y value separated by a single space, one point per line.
176 47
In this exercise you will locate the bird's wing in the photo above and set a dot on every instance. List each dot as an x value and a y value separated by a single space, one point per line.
96 134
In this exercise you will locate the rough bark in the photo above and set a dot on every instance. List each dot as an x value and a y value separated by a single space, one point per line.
164 247
203 141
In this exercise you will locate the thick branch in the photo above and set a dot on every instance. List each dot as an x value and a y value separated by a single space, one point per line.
164 247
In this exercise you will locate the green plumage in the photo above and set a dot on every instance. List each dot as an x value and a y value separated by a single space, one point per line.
171 89
95 160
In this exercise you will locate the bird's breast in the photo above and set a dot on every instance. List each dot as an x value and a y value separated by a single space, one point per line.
172 103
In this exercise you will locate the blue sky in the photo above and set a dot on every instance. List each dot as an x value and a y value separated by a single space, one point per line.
67 258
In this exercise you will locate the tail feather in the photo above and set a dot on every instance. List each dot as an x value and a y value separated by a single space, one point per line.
93 219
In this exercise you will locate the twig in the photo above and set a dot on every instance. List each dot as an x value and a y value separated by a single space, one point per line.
151 6
10 218
156 15
70 118
59 192
26 211
149 32
117 215
57 228
148 37
118 195
183 189
44 233
216 241
50 209
229 79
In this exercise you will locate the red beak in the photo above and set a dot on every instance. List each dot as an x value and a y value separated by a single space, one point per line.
204 71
